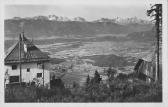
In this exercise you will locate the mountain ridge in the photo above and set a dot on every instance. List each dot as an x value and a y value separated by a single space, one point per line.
48 28
117 20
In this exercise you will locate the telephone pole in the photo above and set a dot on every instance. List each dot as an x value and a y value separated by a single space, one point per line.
20 68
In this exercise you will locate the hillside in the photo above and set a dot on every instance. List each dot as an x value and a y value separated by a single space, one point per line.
47 28
142 36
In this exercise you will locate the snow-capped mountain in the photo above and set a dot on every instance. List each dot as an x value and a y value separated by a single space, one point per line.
105 20
53 17
131 20
118 20
64 19
124 21
40 18
79 19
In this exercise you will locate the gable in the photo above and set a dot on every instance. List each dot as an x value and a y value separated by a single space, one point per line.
33 54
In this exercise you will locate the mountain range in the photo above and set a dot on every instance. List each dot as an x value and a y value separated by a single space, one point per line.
47 26
117 20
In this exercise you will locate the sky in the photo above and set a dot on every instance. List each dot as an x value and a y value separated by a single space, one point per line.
90 11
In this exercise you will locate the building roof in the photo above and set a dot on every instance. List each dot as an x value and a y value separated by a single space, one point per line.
149 57
33 54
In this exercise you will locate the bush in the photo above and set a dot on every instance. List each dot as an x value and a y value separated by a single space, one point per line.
117 90
20 94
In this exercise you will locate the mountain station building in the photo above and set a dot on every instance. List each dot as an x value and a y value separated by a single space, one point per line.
25 63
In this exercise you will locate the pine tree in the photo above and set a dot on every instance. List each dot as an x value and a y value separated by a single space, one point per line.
88 80
97 78
156 13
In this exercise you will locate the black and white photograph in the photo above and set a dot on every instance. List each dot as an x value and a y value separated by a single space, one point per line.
108 52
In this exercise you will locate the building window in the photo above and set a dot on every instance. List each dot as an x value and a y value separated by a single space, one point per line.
13 79
14 67
40 65
28 69
39 75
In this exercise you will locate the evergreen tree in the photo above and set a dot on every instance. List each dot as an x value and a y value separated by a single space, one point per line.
156 13
97 78
88 80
